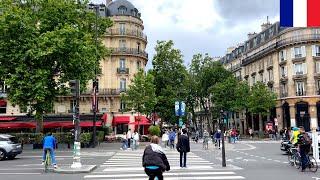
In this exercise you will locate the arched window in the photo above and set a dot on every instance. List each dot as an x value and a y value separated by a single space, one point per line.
122 9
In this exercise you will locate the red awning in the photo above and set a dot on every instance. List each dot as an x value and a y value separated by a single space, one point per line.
104 117
6 118
17 125
141 120
3 103
121 120
90 124
70 124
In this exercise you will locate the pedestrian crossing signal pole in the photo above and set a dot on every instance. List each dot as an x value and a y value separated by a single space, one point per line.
221 124
75 90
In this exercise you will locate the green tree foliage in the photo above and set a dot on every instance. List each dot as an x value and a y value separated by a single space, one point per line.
169 77
140 96
261 99
44 44
154 130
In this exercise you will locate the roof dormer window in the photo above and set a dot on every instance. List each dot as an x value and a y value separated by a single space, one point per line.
122 9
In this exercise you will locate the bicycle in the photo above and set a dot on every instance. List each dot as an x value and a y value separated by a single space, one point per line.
311 163
47 161
292 154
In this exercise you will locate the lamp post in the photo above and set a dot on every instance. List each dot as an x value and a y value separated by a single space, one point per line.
95 82
221 125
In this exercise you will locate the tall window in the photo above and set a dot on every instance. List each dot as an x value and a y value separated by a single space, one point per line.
282 55
2 87
299 68
122 63
253 80
317 66
122 44
261 77
138 47
122 9
283 71
318 87
300 91
138 65
270 75
283 90
123 83
122 28
298 52
315 50
3 106
122 105
262 37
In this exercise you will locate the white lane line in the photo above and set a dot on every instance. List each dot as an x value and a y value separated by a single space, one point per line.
17 169
263 158
165 174
285 162
20 173
269 159
276 160
141 168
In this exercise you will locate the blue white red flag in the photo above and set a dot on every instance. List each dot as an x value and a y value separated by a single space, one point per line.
300 13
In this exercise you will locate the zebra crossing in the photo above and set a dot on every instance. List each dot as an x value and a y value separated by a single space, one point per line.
127 165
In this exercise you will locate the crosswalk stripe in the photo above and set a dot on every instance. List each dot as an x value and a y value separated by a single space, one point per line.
166 174
141 168
192 178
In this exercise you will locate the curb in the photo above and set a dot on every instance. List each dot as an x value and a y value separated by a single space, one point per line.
69 170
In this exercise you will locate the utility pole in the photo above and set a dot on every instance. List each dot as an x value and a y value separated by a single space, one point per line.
221 124
75 90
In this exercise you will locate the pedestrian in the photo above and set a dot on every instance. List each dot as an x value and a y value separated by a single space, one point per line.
172 137
251 133
165 139
233 135
205 139
183 147
304 144
135 140
124 145
218 138
129 136
197 136
154 160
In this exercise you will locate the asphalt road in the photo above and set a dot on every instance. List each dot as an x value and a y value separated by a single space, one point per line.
245 160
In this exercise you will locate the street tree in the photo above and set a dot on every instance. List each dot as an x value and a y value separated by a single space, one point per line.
43 45
169 77
140 95
260 101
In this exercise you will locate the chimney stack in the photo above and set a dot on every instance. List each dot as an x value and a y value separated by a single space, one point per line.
250 35
108 2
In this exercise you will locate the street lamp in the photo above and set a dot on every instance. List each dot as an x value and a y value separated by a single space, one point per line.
221 125
95 82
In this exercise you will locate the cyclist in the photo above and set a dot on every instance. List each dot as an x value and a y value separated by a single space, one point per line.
49 144
294 137
154 160
304 143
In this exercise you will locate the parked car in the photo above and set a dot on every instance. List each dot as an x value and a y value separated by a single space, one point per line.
9 147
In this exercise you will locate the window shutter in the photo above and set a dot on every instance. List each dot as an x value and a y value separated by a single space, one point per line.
303 51
292 53
304 68
284 54
313 50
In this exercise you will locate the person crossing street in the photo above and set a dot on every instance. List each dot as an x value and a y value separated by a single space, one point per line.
183 146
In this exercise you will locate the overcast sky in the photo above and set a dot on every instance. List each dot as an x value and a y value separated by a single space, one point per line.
203 26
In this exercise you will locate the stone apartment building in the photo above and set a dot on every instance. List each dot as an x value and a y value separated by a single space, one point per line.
128 42
287 60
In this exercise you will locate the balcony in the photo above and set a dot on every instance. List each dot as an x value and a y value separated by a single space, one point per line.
127 32
283 94
105 92
299 76
307 38
129 51
301 93
123 70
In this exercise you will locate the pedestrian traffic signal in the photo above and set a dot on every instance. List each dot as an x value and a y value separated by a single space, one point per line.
75 88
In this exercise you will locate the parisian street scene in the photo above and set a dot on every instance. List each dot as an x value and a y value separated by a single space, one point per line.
159 89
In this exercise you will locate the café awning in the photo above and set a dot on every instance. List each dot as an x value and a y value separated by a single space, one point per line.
141 120
121 120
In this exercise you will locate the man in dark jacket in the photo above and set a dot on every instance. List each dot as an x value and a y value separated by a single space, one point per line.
154 160
183 147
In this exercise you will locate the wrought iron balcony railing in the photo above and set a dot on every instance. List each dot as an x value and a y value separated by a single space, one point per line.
131 51
301 93
127 32
123 70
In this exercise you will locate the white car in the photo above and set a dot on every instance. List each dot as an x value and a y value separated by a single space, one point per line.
9 147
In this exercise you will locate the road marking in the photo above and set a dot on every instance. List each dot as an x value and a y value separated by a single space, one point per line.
276 160
269 159
199 178
20 173
165 174
142 169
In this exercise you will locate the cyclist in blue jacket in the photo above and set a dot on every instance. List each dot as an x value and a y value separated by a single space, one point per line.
49 143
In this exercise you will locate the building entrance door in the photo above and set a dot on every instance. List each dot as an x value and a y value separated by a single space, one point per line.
286 115
303 116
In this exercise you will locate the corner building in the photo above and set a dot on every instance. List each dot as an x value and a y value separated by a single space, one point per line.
287 60
127 43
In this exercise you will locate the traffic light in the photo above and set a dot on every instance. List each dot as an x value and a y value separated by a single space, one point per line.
75 88
96 85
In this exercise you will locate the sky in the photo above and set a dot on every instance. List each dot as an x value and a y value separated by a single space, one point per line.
202 26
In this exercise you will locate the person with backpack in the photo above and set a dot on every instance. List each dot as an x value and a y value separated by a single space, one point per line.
154 160
172 137
304 143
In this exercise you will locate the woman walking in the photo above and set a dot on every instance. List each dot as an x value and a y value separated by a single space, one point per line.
154 160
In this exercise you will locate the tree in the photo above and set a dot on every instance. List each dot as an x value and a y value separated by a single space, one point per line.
44 44
261 100
169 76
140 96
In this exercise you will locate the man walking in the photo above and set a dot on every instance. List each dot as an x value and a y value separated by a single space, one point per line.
183 147
129 136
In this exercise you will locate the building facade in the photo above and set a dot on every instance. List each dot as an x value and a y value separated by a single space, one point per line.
127 43
287 60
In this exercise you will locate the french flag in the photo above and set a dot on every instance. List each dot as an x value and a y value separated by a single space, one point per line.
300 13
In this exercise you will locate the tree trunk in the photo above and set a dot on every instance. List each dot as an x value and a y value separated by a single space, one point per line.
252 121
39 121
260 123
